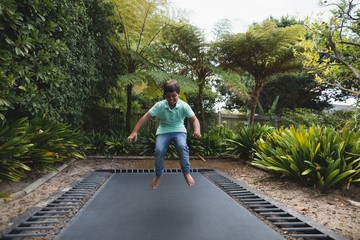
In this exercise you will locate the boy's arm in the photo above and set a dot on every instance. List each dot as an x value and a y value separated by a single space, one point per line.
139 124
196 126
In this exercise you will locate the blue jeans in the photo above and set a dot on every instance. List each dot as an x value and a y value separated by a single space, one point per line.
162 143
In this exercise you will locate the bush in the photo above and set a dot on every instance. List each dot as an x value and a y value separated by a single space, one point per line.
96 143
53 143
13 144
116 143
242 143
302 116
56 59
315 156
37 144
210 144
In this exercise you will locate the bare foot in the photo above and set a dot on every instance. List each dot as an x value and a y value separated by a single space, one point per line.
189 179
155 182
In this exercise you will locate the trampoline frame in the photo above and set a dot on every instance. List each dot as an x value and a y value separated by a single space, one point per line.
45 221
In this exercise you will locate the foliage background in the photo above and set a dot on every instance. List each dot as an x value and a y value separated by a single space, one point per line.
55 58
67 65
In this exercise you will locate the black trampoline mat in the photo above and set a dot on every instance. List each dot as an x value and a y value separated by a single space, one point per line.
126 207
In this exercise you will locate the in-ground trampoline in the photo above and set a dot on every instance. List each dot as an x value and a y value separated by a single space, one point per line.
123 206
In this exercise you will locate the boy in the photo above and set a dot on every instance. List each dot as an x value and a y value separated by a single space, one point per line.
171 112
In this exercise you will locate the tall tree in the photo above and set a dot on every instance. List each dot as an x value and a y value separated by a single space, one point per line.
263 51
332 49
141 23
184 46
298 90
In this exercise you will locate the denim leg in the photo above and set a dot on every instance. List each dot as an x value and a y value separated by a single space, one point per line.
161 146
183 151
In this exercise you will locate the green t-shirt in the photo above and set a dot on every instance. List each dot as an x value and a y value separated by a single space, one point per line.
171 120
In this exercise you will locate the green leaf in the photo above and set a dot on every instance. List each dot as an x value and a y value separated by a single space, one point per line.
5 196
307 171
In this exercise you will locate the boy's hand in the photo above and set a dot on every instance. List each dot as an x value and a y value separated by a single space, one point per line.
132 136
197 134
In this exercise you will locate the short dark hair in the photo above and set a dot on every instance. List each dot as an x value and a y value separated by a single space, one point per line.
171 86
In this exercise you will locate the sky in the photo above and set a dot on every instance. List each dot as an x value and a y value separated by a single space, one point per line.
206 13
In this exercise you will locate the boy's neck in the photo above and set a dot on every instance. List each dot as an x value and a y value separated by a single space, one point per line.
172 106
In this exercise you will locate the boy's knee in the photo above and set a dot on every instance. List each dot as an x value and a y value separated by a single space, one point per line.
159 151
183 148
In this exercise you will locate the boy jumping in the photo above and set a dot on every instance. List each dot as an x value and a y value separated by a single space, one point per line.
171 113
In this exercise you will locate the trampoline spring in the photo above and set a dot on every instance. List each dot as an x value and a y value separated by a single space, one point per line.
254 201
83 187
71 197
244 195
75 194
84 190
320 235
39 222
53 212
57 208
267 209
66 200
23 235
274 213
231 189
87 185
261 205
33 228
300 229
44 217
281 218
247 197
62 205
290 224
239 191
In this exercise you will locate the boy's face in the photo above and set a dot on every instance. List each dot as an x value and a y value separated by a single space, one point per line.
172 98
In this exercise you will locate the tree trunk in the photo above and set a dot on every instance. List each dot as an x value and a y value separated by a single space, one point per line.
254 100
201 107
128 107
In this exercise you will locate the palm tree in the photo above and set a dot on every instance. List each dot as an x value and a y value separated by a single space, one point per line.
263 51
141 24
184 46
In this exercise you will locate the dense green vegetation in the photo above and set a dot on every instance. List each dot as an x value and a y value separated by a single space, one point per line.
38 145
67 67
55 58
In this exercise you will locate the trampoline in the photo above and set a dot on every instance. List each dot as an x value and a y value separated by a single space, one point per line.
120 204
127 208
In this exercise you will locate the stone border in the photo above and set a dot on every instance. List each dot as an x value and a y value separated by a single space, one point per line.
35 184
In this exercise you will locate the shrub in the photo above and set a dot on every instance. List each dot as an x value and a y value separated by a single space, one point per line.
52 143
96 143
317 156
116 143
242 143
301 116
211 143
13 145
37 144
